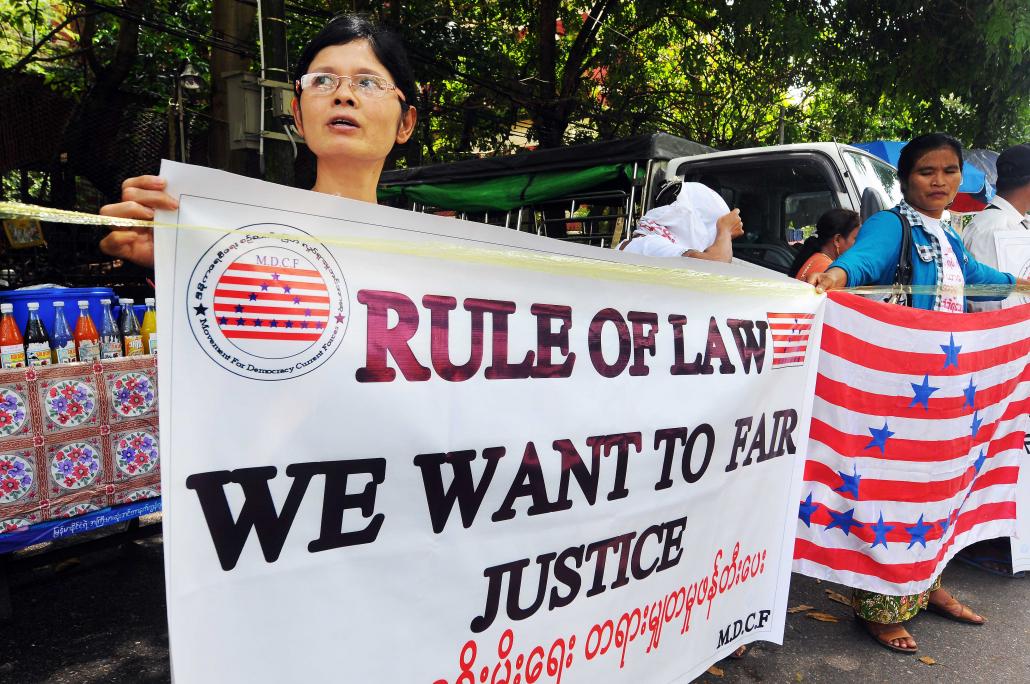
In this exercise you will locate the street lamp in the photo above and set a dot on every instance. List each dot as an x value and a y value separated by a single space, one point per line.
188 81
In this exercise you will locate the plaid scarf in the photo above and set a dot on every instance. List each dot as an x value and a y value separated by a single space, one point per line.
917 219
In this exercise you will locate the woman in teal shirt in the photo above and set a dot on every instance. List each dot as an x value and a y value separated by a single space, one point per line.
930 171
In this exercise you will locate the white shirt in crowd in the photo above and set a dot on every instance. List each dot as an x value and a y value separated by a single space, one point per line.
979 239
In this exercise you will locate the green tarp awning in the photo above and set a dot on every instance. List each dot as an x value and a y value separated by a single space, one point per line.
506 192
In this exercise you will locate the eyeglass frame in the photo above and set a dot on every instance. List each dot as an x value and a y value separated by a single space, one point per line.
299 88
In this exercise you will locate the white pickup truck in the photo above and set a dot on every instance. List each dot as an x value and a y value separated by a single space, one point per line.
595 193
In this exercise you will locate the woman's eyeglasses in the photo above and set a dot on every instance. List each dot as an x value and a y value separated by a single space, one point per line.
362 84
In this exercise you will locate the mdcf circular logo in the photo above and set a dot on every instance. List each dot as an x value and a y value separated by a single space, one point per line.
266 305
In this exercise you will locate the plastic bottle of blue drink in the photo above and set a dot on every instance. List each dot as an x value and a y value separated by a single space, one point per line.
62 339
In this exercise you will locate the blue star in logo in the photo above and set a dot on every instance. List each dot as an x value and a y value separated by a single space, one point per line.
880 530
286 289
200 309
922 393
239 321
850 483
307 312
239 308
257 322
303 324
264 287
970 393
296 300
806 510
917 533
274 323
951 352
253 296
979 462
275 276
289 324
844 521
977 422
880 437
318 325
223 321
339 318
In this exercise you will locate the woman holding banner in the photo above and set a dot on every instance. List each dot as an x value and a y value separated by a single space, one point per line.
353 104
930 171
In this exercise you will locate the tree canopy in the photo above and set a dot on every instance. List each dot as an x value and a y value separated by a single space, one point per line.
500 76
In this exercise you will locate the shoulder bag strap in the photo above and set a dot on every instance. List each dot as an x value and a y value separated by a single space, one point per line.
903 272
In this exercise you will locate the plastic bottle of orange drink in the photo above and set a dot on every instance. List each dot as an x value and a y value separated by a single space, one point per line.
87 341
12 344
149 327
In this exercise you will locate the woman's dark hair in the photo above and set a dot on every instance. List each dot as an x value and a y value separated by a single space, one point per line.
919 146
386 45
834 222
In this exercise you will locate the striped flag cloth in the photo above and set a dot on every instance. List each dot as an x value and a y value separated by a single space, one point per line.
917 434
789 332
258 302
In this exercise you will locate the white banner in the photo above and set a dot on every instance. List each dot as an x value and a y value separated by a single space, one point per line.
406 448
1014 257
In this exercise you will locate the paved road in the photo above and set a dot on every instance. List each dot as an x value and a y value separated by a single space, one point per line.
103 620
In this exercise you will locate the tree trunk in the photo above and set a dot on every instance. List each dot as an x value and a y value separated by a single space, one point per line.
233 20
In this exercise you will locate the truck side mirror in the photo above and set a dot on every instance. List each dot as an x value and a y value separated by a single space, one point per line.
872 202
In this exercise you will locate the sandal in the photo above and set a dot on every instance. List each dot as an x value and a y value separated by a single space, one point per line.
996 566
948 612
884 634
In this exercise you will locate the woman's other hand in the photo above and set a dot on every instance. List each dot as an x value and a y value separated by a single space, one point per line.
141 196
831 279
730 224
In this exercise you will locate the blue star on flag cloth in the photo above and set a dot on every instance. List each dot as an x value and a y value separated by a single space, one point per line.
880 530
951 352
970 393
850 483
806 510
922 393
977 422
979 462
917 533
844 521
880 437
253 296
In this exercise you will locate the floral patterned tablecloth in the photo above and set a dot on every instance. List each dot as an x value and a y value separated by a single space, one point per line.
77 438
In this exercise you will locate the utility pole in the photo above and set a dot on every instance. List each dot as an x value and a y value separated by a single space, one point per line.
278 153
233 20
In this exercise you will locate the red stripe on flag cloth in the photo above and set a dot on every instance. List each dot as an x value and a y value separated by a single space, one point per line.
900 573
862 353
255 268
898 449
799 328
917 319
907 491
869 403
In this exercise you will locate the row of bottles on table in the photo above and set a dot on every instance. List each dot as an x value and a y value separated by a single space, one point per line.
38 348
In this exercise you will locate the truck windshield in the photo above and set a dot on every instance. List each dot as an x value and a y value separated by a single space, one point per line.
869 172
